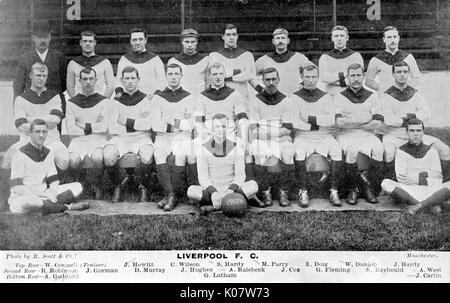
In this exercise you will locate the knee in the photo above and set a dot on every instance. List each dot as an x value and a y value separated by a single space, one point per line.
160 156
62 159
194 192
250 188
335 152
377 152
74 160
180 160
442 149
97 157
76 189
110 155
287 155
389 152
388 185
146 154
191 159
351 154
300 154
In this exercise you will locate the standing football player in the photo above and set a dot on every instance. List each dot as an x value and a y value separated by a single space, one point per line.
379 72
88 58
193 63
333 65
239 64
148 64
288 63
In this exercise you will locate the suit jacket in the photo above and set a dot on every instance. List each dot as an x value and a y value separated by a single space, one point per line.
57 71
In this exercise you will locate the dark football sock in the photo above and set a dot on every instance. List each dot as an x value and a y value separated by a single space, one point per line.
163 173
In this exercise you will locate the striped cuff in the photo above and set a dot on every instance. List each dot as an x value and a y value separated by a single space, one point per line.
52 179
378 117
200 119
15 182
130 125
88 129
342 80
289 126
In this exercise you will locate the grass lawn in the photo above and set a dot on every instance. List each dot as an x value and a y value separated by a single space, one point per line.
312 230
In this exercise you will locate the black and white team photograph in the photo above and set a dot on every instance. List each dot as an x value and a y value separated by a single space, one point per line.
261 125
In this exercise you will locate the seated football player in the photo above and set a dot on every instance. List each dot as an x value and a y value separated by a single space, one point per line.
38 102
400 103
418 172
358 115
314 126
173 120
271 122
221 169
86 120
129 127
34 180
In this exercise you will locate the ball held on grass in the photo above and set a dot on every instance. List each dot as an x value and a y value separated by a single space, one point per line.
233 205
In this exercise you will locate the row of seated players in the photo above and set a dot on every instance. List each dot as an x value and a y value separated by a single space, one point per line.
106 130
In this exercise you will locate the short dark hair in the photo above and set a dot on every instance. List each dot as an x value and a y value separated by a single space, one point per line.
311 67
88 70
269 70
389 28
229 26
414 121
339 28
36 122
138 30
87 34
354 66
219 116
174 65
130 69
398 64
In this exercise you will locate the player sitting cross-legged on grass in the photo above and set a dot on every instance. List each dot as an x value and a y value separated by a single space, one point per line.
129 127
173 120
418 171
358 115
34 180
221 169
271 122
314 126
86 121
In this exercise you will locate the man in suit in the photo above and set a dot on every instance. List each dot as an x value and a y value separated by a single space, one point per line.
55 61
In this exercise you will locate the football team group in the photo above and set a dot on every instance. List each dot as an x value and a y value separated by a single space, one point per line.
222 123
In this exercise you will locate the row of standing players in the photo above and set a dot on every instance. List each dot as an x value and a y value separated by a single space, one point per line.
272 115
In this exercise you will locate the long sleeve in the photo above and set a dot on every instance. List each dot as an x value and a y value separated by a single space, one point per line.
52 173
17 170
401 165
158 125
239 167
435 173
249 71
371 73
20 112
113 124
160 73
240 110
72 128
327 117
203 171
423 111
71 79
120 67
109 80
299 122
324 74
102 123
390 119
